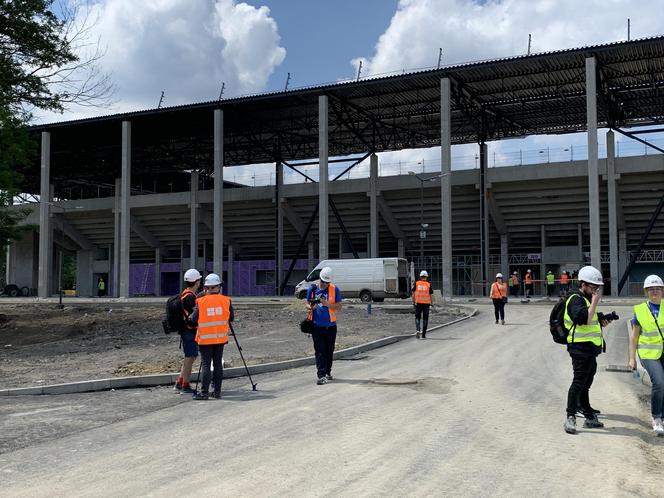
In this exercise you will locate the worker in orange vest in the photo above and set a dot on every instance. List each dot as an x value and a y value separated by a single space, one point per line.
212 314
529 283
564 283
498 296
422 292
515 284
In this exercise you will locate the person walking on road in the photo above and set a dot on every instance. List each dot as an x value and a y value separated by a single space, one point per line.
192 281
422 292
212 314
324 301
584 344
498 296
647 339
550 283
529 284
514 284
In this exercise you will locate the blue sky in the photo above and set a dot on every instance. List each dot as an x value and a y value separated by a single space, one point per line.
187 48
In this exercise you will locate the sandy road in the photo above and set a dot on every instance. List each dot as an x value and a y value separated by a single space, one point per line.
484 419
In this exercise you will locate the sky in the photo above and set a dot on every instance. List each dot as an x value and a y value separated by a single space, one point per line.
188 48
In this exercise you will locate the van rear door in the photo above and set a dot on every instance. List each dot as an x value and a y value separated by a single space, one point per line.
391 276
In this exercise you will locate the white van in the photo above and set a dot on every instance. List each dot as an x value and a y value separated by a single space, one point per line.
369 279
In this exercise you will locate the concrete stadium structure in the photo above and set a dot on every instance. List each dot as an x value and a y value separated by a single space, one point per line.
143 188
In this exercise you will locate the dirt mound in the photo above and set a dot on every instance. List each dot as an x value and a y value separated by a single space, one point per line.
169 365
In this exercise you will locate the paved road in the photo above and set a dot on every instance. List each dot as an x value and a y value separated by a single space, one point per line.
484 418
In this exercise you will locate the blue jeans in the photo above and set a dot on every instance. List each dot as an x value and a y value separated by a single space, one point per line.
655 369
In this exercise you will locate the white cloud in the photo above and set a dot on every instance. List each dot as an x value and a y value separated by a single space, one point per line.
185 48
469 30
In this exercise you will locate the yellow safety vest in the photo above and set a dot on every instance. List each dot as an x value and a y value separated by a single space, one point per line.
583 333
550 279
650 340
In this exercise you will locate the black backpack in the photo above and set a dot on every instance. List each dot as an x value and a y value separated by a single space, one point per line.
559 332
175 319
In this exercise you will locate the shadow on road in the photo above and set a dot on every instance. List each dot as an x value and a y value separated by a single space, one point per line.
242 395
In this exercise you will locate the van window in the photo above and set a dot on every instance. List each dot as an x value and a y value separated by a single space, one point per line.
314 275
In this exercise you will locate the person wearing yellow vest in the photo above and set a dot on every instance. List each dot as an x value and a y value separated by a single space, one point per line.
647 338
564 283
192 281
584 343
422 292
324 301
101 287
498 296
550 283
212 314
514 285
529 284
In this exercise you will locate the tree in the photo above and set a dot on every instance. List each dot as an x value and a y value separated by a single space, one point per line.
47 61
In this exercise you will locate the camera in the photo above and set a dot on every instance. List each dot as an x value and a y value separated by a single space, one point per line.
314 301
609 317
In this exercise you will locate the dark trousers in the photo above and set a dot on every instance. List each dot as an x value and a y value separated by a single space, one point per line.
211 354
515 290
549 289
498 309
324 339
584 372
529 290
422 316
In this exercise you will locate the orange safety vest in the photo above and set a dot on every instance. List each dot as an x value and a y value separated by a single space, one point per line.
564 278
184 294
422 292
529 278
214 310
498 291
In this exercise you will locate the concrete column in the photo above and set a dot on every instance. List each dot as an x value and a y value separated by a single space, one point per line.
45 246
341 246
117 222
373 206
182 270
593 168
280 227
484 216
157 272
504 257
125 232
579 238
542 262
624 259
401 249
323 186
613 212
311 256
193 214
10 271
86 285
446 186
218 196
229 271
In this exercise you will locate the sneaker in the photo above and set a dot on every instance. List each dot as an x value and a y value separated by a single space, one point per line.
570 425
579 412
502 322
186 390
321 381
329 377
201 396
215 395
177 388
418 335
593 423
424 336
496 322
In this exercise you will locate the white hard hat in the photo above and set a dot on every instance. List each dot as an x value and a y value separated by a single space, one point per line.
499 275
528 270
514 273
653 281
192 275
591 275
424 273
326 274
212 279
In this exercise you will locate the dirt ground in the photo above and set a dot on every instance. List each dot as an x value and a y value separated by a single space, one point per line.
41 344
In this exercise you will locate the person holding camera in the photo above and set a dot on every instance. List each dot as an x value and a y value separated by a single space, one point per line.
647 339
422 292
324 301
498 296
584 343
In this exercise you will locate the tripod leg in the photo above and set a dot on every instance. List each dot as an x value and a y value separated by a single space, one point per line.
239 348
200 365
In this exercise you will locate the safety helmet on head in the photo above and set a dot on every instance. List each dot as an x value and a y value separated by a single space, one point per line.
528 271
212 280
653 281
549 271
192 275
499 275
326 274
424 273
591 275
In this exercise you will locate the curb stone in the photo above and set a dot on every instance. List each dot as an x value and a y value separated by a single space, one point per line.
166 379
